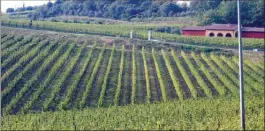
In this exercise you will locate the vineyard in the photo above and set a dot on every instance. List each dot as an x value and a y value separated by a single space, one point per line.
44 74
123 30
205 114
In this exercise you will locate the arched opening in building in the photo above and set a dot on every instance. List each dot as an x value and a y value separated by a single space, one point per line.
220 35
236 34
228 35
211 34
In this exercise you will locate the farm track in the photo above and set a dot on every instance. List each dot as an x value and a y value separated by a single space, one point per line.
51 76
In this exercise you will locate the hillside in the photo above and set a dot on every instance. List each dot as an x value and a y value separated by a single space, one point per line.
205 12
50 73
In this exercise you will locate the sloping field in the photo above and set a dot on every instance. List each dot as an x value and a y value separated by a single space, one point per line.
41 74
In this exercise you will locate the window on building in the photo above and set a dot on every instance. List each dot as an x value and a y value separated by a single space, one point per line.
220 35
228 35
211 34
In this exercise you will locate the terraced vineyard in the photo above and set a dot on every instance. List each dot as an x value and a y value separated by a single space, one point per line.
48 75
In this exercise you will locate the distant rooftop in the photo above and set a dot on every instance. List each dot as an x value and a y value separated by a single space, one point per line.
252 29
194 28
221 27
230 27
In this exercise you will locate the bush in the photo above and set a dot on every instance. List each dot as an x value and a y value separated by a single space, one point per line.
87 22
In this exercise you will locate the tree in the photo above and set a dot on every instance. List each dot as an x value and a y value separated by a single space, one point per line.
10 10
29 8
49 5
169 7
204 5
252 13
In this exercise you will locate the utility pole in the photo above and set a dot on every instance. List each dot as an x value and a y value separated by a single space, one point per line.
242 104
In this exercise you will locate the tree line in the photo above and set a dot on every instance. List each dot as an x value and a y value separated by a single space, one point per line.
207 11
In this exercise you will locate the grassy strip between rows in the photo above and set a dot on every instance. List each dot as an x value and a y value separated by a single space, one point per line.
118 90
104 85
133 96
147 80
159 76
218 86
230 73
56 87
174 79
91 79
197 75
223 77
185 75
254 84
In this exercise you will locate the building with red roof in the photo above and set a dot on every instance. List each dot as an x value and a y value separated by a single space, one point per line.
223 30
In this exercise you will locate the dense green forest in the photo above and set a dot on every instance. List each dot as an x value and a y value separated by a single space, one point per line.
207 11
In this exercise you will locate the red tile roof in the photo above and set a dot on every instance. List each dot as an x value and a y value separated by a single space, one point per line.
194 28
221 27
252 29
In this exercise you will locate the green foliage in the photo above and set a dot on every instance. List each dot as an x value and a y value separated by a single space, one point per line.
56 87
202 114
147 79
251 79
23 60
218 86
58 74
185 75
29 83
118 89
197 75
70 90
122 30
91 79
15 48
49 77
159 76
221 76
116 9
252 13
104 85
133 95
174 79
